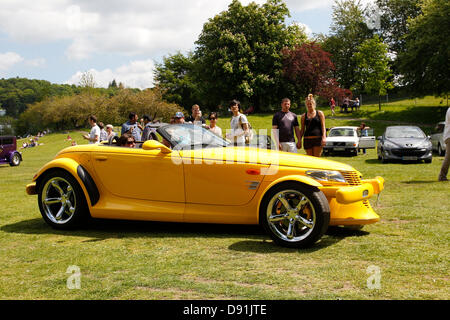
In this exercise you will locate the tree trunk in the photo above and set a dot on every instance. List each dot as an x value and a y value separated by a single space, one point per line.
379 102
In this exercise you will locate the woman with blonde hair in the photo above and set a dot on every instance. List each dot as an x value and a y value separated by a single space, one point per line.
313 128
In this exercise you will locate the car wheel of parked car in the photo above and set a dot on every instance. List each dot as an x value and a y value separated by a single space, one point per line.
440 151
61 200
294 215
428 160
15 160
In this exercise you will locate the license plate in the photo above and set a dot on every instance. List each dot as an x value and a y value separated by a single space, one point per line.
339 149
409 158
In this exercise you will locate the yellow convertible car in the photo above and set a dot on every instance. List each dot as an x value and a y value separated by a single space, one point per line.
201 178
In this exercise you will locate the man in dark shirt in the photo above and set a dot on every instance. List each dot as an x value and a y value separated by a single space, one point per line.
284 123
196 117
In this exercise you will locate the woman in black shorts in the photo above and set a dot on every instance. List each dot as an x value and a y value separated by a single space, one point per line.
313 128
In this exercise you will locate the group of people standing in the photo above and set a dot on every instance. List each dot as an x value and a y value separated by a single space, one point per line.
310 133
98 131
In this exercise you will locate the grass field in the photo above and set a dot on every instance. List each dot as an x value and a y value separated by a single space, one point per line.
150 260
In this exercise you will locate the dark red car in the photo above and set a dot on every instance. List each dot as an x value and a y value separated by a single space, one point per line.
8 152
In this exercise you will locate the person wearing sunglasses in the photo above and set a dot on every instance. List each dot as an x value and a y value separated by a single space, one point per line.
127 140
213 124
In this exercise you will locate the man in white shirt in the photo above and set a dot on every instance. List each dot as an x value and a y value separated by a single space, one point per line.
446 138
94 135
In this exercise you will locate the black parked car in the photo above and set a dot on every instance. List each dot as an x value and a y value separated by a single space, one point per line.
405 143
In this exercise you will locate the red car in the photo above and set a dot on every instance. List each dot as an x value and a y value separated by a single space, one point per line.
8 152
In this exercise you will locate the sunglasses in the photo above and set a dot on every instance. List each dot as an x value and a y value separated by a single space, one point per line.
212 118
131 142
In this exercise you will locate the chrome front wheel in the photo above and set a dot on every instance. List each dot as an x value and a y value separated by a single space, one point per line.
295 215
61 200
58 200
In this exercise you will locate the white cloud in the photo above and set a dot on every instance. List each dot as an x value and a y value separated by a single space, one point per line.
8 59
136 74
305 27
38 62
135 27
302 5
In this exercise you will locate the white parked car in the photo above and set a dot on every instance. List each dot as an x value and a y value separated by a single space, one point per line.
437 139
348 140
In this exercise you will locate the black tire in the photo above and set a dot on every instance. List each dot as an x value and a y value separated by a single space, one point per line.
428 160
302 224
15 160
61 200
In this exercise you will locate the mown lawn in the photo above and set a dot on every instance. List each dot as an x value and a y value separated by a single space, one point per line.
150 260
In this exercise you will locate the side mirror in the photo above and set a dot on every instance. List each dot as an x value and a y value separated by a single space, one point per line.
153 144
429 137
379 138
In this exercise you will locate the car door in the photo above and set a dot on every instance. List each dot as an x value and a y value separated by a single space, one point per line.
215 177
140 174
367 139
436 137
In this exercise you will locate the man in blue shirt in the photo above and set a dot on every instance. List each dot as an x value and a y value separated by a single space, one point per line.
132 126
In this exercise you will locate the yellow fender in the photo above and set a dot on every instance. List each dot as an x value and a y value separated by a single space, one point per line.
67 164
295 178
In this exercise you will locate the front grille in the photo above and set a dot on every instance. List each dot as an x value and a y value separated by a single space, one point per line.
352 178
366 203
339 144
408 152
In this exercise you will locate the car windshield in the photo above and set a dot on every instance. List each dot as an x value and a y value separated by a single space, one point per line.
404 132
342 133
189 136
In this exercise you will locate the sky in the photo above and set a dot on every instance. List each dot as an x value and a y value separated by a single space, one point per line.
59 40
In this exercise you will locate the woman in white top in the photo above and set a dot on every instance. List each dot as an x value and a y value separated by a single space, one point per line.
212 124
239 125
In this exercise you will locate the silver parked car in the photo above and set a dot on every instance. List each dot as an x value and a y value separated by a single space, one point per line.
405 143
437 138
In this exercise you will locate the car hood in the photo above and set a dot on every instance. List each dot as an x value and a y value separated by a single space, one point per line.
407 142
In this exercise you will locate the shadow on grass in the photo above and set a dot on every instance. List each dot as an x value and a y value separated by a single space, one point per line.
331 237
99 229
256 240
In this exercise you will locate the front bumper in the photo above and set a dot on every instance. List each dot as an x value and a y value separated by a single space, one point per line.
408 154
349 205
339 148
31 188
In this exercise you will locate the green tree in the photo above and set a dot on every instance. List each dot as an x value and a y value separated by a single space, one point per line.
238 53
425 64
347 31
372 68
393 16
175 76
